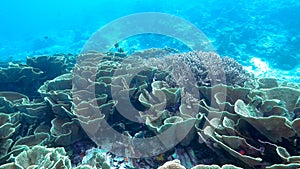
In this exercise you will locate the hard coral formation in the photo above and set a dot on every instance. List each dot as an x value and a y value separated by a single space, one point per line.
50 66
175 164
96 159
255 124
20 78
8 128
27 78
245 122
200 68
42 157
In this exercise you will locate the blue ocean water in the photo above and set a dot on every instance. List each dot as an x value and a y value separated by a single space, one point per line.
262 35
264 29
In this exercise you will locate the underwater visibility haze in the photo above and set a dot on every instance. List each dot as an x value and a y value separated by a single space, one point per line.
150 84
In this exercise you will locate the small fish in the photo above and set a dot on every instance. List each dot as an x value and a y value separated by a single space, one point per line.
120 50
160 158
116 45
46 37
242 152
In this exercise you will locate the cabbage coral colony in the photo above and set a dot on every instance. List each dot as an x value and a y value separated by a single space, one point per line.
254 124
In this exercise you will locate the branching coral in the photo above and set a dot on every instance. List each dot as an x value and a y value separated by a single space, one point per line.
200 68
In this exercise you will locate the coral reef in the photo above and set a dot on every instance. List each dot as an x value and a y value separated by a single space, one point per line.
175 164
27 78
41 157
172 165
240 122
201 68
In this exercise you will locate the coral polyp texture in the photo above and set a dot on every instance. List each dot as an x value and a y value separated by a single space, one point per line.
231 119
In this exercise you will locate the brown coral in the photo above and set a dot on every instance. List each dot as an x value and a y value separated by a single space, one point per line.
200 68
